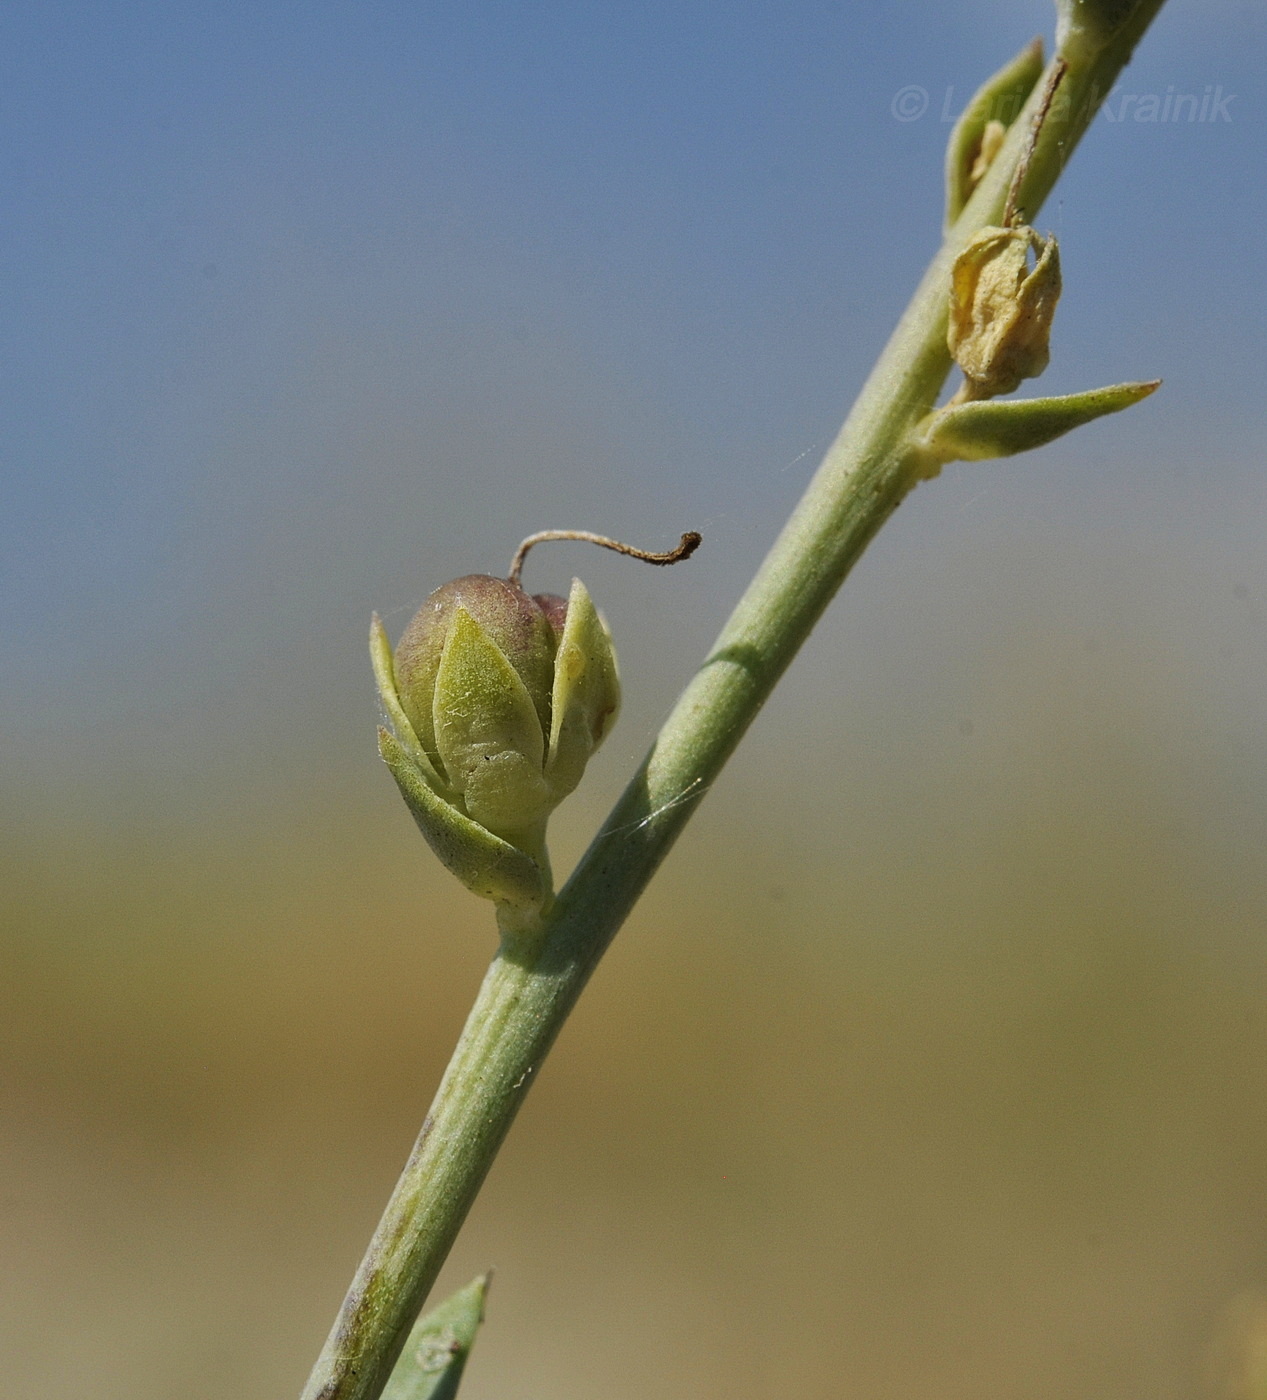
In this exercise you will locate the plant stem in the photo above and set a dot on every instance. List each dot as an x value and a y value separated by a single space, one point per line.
539 972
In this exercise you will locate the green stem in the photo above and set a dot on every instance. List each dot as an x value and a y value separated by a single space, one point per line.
539 973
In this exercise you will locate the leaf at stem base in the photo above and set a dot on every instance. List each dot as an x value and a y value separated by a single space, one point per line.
430 1367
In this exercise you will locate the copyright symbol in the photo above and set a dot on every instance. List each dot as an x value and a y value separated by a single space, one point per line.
909 103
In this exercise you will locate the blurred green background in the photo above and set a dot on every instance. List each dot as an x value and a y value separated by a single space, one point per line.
935 1061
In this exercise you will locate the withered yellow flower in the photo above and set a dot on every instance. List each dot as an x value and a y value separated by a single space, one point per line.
1001 308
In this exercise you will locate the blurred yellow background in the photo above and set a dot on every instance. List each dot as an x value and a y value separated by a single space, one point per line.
933 1063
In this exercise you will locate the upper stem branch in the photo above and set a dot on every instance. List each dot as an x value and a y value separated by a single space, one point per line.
536 978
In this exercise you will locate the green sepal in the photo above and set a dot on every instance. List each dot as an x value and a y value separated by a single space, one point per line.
384 664
487 732
586 697
974 432
998 99
485 864
430 1367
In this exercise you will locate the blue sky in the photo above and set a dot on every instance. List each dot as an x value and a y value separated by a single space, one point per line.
310 309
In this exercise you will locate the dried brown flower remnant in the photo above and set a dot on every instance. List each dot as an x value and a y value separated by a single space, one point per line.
1001 308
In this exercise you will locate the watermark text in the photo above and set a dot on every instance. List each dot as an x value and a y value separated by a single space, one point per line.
1212 106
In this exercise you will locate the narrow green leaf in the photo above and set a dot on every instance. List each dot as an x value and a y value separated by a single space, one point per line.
430 1367
998 100
586 695
485 864
974 432
384 664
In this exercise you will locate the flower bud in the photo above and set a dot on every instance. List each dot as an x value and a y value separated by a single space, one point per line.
506 619
1001 309
977 136
497 700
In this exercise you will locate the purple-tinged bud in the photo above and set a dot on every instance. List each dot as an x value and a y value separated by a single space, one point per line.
496 700
518 625
555 609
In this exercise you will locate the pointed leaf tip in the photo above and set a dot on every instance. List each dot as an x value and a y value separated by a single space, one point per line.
975 432
586 692
431 1364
